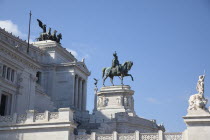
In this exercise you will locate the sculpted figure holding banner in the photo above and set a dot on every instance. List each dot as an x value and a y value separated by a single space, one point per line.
200 84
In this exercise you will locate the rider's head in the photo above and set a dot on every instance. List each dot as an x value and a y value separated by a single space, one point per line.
115 54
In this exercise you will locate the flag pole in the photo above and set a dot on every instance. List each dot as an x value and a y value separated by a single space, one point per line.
29 30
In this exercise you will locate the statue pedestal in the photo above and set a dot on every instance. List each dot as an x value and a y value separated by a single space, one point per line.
114 99
115 112
198 125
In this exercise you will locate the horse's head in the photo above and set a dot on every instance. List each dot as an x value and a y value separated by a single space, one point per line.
128 65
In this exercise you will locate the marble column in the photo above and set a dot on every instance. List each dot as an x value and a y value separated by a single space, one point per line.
84 95
73 94
80 94
76 92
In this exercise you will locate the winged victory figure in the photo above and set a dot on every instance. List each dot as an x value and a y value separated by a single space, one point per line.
43 26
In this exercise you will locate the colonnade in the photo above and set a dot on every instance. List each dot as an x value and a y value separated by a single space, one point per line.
80 93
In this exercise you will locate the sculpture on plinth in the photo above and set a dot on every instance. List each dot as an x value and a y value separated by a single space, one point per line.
47 35
198 101
117 69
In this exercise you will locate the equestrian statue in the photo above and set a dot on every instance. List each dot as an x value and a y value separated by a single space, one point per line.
47 35
117 70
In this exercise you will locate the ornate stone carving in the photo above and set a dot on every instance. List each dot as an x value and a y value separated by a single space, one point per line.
100 101
126 136
200 84
106 100
198 101
83 137
119 100
33 78
53 115
21 118
6 118
104 137
173 136
126 101
39 116
149 137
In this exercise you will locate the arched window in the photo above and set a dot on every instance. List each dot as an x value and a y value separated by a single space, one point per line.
8 73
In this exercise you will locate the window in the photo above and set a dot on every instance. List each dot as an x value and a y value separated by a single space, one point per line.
38 75
12 75
8 73
4 71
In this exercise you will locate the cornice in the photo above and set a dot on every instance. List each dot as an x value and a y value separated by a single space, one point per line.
19 41
52 45
7 49
74 64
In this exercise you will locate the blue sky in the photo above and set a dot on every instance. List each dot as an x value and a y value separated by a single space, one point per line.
168 41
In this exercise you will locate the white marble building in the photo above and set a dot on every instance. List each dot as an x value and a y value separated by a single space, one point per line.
47 78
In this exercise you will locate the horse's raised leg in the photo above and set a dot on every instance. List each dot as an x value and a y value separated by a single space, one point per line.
130 76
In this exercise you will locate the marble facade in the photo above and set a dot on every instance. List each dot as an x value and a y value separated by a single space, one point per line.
48 78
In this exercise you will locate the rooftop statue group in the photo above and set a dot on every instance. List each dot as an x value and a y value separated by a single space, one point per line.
47 35
117 69
198 101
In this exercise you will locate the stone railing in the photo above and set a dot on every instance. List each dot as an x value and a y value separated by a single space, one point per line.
172 136
131 136
31 116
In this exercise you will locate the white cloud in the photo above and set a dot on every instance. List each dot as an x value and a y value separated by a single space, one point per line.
11 27
153 100
75 54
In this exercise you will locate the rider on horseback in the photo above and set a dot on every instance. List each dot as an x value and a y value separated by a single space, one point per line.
115 62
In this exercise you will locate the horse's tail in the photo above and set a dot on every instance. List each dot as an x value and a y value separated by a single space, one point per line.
103 72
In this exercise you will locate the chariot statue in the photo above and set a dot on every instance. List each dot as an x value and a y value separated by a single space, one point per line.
47 35
117 69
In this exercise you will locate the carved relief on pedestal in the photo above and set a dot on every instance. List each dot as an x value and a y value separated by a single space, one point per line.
106 100
125 101
119 100
100 101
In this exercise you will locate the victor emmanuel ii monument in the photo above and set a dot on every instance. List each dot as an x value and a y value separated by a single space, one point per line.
43 95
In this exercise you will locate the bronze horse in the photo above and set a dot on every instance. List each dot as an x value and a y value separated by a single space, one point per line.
122 72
